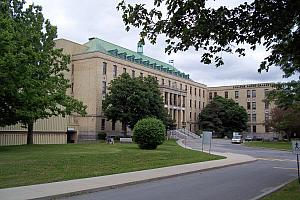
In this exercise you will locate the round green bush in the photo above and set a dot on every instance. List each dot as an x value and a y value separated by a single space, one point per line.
148 133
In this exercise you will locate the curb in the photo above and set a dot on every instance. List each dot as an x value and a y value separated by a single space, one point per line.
272 190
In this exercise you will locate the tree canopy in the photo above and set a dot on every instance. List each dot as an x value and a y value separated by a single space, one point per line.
223 116
191 23
131 99
285 120
32 70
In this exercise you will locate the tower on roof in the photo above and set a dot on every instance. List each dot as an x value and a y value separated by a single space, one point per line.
140 48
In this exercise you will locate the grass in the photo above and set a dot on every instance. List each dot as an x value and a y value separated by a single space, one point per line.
280 145
290 191
34 164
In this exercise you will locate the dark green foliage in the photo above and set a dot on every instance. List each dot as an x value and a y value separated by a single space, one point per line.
273 24
32 71
286 95
191 23
131 99
148 133
102 136
223 116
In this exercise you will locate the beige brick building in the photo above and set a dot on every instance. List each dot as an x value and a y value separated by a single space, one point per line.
97 62
252 98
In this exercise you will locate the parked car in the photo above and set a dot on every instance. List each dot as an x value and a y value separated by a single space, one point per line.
237 139
248 138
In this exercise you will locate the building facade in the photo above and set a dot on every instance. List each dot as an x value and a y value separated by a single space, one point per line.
97 62
252 98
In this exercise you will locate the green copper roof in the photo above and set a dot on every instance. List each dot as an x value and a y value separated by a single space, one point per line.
96 44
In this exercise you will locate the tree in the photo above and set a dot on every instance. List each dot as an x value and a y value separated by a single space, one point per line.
223 116
286 120
32 70
190 23
131 99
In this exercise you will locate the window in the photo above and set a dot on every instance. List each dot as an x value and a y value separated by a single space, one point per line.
166 98
113 126
195 104
104 87
236 94
180 86
115 71
183 116
253 93
253 105
195 91
183 101
266 117
203 105
215 94
210 96
72 72
169 83
195 116
170 98
133 74
199 92
175 99
248 105
203 94
190 103
162 81
199 104
254 129
226 95
185 88
104 68
141 75
248 93
266 92
190 115
102 124
267 128
267 105
72 88
253 117
249 117
190 90
124 70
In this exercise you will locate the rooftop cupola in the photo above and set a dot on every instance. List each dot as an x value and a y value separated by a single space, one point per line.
140 48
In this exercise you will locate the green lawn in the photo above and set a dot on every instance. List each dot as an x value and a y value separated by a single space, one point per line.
290 191
271 145
27 165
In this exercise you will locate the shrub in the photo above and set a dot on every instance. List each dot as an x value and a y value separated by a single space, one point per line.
148 133
102 136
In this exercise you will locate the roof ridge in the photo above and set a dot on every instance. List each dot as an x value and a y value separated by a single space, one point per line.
95 43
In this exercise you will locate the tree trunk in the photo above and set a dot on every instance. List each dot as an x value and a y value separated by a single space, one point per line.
30 133
124 128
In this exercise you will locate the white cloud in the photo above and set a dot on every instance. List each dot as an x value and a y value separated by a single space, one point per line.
78 20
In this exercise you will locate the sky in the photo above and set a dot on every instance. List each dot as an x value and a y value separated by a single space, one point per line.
79 20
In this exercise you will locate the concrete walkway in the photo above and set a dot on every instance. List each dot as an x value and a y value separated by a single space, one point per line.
72 187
